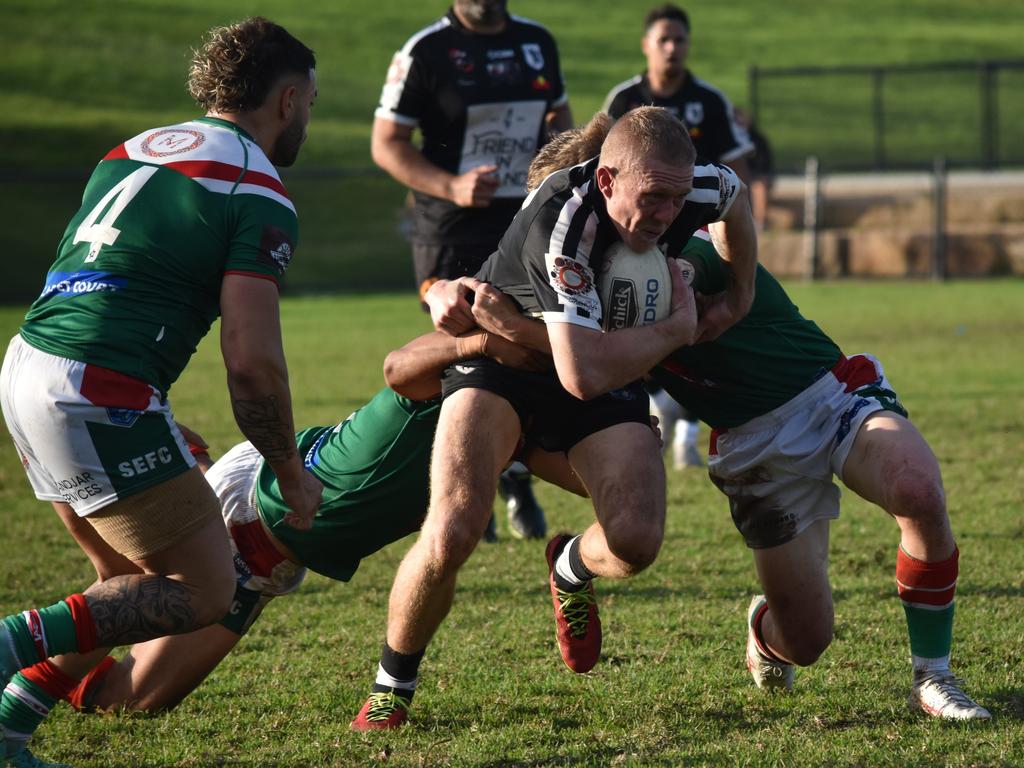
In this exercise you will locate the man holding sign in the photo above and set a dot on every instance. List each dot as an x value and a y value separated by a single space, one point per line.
485 90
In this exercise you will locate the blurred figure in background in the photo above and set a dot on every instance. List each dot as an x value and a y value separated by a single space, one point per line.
485 90
762 168
716 136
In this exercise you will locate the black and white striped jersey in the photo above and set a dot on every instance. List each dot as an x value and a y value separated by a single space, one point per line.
555 246
477 100
706 111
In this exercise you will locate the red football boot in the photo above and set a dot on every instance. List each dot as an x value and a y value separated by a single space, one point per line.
577 625
382 710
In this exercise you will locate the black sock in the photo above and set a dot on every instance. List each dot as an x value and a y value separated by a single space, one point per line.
401 666
579 570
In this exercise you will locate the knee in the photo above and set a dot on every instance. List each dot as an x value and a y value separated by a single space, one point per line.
918 496
636 546
213 598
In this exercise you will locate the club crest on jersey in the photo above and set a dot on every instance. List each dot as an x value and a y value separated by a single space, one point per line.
123 417
533 55
171 141
693 113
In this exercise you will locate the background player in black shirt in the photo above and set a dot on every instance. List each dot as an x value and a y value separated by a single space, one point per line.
485 90
715 135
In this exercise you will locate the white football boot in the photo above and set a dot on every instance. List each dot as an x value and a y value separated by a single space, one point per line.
939 694
767 673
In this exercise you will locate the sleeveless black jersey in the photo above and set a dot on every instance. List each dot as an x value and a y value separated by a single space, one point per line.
555 246
477 100
705 110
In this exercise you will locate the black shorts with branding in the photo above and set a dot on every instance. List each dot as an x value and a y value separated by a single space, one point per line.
550 416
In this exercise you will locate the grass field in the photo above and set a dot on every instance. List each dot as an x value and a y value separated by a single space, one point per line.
81 77
671 688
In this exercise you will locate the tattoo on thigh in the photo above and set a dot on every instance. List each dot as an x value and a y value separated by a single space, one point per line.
136 608
262 423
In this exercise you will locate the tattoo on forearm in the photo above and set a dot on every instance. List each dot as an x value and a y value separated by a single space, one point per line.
261 422
133 609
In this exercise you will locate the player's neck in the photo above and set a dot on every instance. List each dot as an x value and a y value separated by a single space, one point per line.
482 28
665 83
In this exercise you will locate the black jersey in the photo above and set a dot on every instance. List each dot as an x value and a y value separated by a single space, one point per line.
705 110
478 100
556 244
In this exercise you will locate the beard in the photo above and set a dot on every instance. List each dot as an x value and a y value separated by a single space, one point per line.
286 148
483 12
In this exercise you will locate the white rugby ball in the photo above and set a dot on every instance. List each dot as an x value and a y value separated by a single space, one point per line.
635 288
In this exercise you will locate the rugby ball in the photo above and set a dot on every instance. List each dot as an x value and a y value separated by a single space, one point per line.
635 288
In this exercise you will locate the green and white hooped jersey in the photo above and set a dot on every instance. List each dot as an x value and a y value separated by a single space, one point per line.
136 283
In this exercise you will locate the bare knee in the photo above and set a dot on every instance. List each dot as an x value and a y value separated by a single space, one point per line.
636 545
917 496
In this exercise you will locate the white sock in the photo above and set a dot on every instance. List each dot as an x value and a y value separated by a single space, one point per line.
562 567
383 678
923 664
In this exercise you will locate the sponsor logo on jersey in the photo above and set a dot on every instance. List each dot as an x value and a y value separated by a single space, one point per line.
501 53
533 55
574 282
275 248
461 60
147 462
687 269
76 283
465 370
504 72
78 488
693 113
171 141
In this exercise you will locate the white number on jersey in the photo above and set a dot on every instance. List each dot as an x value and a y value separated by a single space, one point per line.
103 232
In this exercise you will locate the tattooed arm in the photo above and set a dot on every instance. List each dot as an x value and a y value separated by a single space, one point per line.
253 352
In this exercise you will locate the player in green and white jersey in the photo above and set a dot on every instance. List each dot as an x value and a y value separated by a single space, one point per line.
178 225
374 467
790 412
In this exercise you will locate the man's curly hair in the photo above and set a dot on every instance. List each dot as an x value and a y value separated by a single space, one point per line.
568 148
239 64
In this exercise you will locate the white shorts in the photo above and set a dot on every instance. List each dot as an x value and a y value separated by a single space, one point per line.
777 469
87 435
259 566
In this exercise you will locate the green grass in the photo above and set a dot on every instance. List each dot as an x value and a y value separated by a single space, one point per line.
81 77
671 688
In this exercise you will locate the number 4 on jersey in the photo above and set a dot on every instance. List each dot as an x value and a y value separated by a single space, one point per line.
103 232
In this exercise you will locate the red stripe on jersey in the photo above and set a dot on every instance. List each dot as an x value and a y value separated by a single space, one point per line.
117 153
110 389
85 625
211 169
259 275
256 548
54 682
926 583
855 372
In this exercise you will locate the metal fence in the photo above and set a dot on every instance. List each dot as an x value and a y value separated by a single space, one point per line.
896 117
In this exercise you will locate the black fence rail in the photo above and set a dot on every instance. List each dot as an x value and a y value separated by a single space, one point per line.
896 117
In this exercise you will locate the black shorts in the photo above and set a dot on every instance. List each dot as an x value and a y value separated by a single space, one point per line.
447 262
550 416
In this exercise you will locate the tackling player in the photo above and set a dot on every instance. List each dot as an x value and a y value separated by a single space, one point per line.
789 413
374 468
178 225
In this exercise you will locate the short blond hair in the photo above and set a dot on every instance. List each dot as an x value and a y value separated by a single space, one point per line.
647 132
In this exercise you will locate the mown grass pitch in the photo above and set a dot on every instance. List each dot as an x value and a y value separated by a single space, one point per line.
671 688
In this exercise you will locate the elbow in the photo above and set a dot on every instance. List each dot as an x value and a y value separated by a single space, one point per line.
582 387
